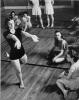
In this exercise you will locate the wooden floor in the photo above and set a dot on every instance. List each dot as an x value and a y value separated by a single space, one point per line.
39 81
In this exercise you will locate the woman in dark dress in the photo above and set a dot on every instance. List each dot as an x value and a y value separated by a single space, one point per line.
17 51
60 49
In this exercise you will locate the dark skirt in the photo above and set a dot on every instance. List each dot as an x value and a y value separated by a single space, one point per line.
17 53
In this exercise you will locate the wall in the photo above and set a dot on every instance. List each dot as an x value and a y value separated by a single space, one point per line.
76 7
15 2
25 2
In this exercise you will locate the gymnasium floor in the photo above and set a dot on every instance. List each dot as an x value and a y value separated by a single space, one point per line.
39 81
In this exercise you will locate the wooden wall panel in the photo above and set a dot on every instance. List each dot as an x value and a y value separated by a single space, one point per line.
15 2
25 2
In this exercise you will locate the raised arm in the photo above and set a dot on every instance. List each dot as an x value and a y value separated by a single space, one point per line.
12 36
17 41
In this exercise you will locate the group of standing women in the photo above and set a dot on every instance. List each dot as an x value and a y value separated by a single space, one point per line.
49 11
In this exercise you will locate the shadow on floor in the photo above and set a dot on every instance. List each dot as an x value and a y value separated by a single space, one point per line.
5 85
53 89
42 55
50 89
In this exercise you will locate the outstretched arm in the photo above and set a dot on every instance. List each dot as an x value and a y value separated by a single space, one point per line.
34 37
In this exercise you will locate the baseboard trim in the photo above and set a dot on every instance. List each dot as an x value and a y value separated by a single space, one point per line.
29 7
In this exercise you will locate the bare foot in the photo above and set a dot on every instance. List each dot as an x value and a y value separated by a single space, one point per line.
47 26
52 26
43 27
65 93
22 85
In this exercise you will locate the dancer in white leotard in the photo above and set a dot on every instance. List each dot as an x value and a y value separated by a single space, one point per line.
36 11
49 11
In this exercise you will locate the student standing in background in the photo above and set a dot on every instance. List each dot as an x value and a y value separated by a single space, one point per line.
49 12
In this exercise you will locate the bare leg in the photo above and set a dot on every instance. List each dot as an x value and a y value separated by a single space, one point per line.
36 20
24 59
36 17
41 21
52 21
61 86
48 21
17 67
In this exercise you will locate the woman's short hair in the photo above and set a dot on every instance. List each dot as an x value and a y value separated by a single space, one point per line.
12 12
58 32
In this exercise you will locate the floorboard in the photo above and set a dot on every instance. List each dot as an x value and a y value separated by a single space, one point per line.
39 81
